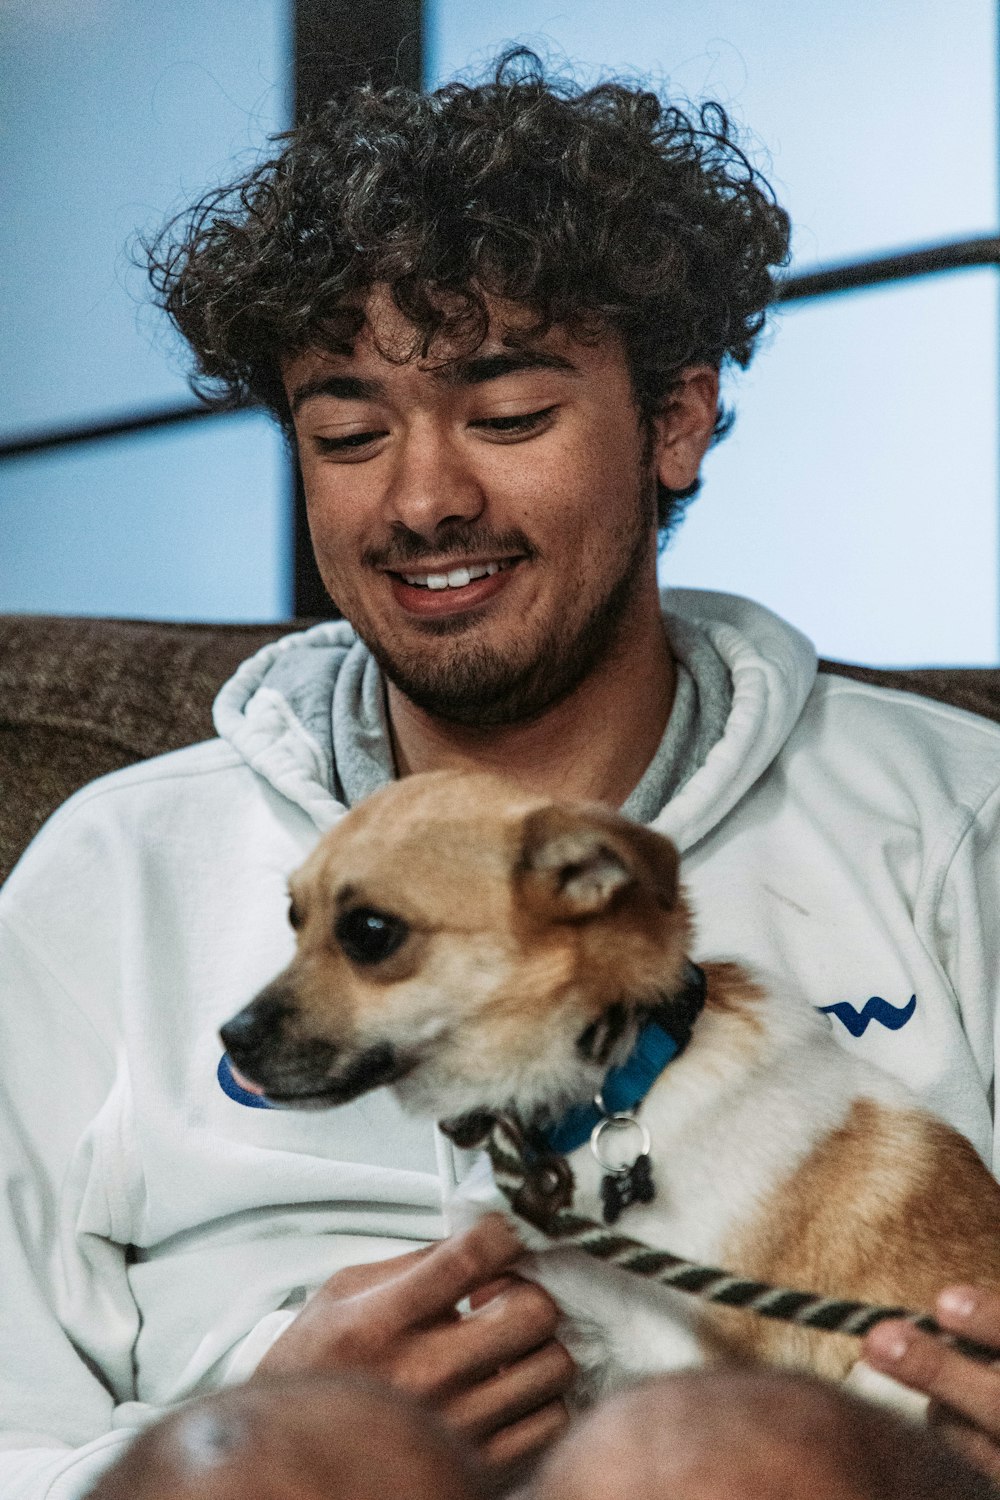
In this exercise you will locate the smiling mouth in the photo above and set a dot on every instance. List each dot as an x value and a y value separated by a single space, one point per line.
456 578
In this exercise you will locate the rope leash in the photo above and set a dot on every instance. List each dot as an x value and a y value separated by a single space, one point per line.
540 1190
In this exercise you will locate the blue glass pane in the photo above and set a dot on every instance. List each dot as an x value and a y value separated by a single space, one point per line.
186 523
857 493
111 116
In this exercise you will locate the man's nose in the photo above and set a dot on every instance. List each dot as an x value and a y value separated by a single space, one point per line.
432 484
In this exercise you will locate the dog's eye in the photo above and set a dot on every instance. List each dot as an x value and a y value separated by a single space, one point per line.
369 936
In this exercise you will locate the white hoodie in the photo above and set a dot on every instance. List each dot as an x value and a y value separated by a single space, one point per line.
156 1234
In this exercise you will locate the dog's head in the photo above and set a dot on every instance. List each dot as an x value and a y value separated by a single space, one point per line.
476 947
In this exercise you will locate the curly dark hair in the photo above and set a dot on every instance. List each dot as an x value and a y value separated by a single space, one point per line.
592 208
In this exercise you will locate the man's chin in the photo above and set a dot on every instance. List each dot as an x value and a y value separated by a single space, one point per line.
442 626
484 690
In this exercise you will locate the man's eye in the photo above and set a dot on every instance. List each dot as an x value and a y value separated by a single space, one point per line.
346 444
516 426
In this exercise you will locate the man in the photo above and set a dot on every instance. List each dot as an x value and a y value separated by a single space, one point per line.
494 319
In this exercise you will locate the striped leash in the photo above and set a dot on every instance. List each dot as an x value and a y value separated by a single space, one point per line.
539 1188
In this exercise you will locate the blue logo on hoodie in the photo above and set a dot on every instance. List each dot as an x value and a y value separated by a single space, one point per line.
875 1009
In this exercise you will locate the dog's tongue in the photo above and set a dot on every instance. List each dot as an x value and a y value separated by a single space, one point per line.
245 1083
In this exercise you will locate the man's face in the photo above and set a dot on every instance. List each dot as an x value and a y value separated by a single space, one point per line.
486 522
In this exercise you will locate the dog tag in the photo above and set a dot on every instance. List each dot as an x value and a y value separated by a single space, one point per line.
628 1172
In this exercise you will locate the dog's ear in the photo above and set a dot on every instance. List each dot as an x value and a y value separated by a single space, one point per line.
576 861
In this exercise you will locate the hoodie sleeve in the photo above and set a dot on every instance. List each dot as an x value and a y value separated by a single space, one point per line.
67 1317
966 926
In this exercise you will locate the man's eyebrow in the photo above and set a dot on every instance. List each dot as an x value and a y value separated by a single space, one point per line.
342 387
475 371
484 367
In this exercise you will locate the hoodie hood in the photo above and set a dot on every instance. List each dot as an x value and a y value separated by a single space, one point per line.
773 668
277 712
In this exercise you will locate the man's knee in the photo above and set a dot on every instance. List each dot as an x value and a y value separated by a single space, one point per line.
750 1434
297 1439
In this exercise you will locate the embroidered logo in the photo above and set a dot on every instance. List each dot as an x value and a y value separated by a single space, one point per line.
875 1009
229 1086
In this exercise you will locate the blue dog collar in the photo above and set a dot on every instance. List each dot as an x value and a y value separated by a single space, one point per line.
626 1085
623 1089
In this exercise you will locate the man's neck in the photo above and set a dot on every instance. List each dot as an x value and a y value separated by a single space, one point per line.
595 744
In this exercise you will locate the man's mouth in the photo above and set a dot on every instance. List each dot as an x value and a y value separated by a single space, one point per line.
438 593
455 578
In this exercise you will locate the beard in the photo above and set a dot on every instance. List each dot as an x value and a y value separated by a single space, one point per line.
479 686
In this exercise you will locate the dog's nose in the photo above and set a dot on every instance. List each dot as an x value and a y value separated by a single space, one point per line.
254 1028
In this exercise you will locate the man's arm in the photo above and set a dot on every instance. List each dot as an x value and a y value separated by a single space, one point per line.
495 1376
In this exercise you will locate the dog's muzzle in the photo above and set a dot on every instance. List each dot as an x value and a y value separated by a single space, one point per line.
302 1071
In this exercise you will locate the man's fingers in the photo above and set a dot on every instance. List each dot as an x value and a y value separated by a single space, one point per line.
527 1438
925 1363
484 1294
353 1281
521 1388
447 1357
366 1317
450 1271
973 1311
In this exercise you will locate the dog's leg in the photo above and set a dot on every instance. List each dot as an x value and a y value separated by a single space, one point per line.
617 1328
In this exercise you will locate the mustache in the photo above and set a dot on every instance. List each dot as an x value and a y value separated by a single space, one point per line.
460 541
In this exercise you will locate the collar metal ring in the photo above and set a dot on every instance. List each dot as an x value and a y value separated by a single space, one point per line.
610 1135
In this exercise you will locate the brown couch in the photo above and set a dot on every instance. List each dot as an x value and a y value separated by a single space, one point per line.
80 697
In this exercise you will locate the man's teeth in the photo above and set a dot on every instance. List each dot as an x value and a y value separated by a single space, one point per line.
458 578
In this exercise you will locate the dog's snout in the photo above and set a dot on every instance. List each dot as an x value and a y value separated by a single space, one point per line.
255 1027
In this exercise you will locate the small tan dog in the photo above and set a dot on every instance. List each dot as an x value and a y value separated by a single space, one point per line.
481 950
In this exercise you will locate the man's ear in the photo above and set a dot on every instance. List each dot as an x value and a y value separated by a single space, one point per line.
683 427
576 862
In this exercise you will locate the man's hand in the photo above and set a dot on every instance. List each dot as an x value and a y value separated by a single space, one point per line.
496 1375
965 1393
